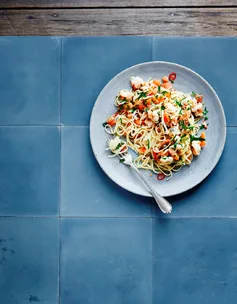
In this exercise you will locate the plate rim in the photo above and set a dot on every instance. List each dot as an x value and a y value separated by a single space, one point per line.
190 71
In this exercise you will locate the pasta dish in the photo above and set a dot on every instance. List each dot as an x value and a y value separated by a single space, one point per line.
165 127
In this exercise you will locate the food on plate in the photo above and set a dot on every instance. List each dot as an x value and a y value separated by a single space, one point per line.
165 127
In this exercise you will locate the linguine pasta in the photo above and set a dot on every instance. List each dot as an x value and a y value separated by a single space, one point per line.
159 123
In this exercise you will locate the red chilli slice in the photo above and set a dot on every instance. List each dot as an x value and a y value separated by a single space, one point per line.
172 77
160 176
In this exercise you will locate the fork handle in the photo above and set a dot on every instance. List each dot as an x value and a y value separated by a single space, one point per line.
163 204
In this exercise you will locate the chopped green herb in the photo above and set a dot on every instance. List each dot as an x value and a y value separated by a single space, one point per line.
178 103
206 117
205 111
158 89
163 93
180 111
121 120
182 124
104 124
132 110
192 138
193 94
118 146
201 127
175 144
183 135
173 138
172 81
148 143
122 160
142 95
162 107
146 109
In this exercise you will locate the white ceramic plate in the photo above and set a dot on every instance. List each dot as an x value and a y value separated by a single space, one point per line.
189 176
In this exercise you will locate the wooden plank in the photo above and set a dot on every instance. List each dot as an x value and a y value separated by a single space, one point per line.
90 22
113 3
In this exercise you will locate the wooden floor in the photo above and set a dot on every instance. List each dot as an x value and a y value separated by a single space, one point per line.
110 17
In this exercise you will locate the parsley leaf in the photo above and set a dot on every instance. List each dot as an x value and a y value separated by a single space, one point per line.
205 111
206 117
142 95
183 126
193 94
148 143
162 107
173 138
158 89
121 120
178 103
192 138
118 146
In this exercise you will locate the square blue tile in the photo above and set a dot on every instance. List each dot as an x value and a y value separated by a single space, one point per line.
195 261
214 58
106 261
88 64
30 170
85 188
217 194
29 260
29 80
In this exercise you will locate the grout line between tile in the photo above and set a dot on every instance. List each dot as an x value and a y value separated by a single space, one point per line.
60 81
29 126
174 217
60 178
105 217
31 216
170 217
71 126
59 261
60 173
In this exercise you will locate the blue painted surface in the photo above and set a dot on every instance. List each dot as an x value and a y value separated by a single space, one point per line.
29 170
29 260
215 196
86 190
213 58
106 261
114 247
195 261
29 80
88 64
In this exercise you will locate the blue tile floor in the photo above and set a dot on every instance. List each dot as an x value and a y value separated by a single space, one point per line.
68 234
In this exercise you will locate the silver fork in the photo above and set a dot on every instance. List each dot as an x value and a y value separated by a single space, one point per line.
163 204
